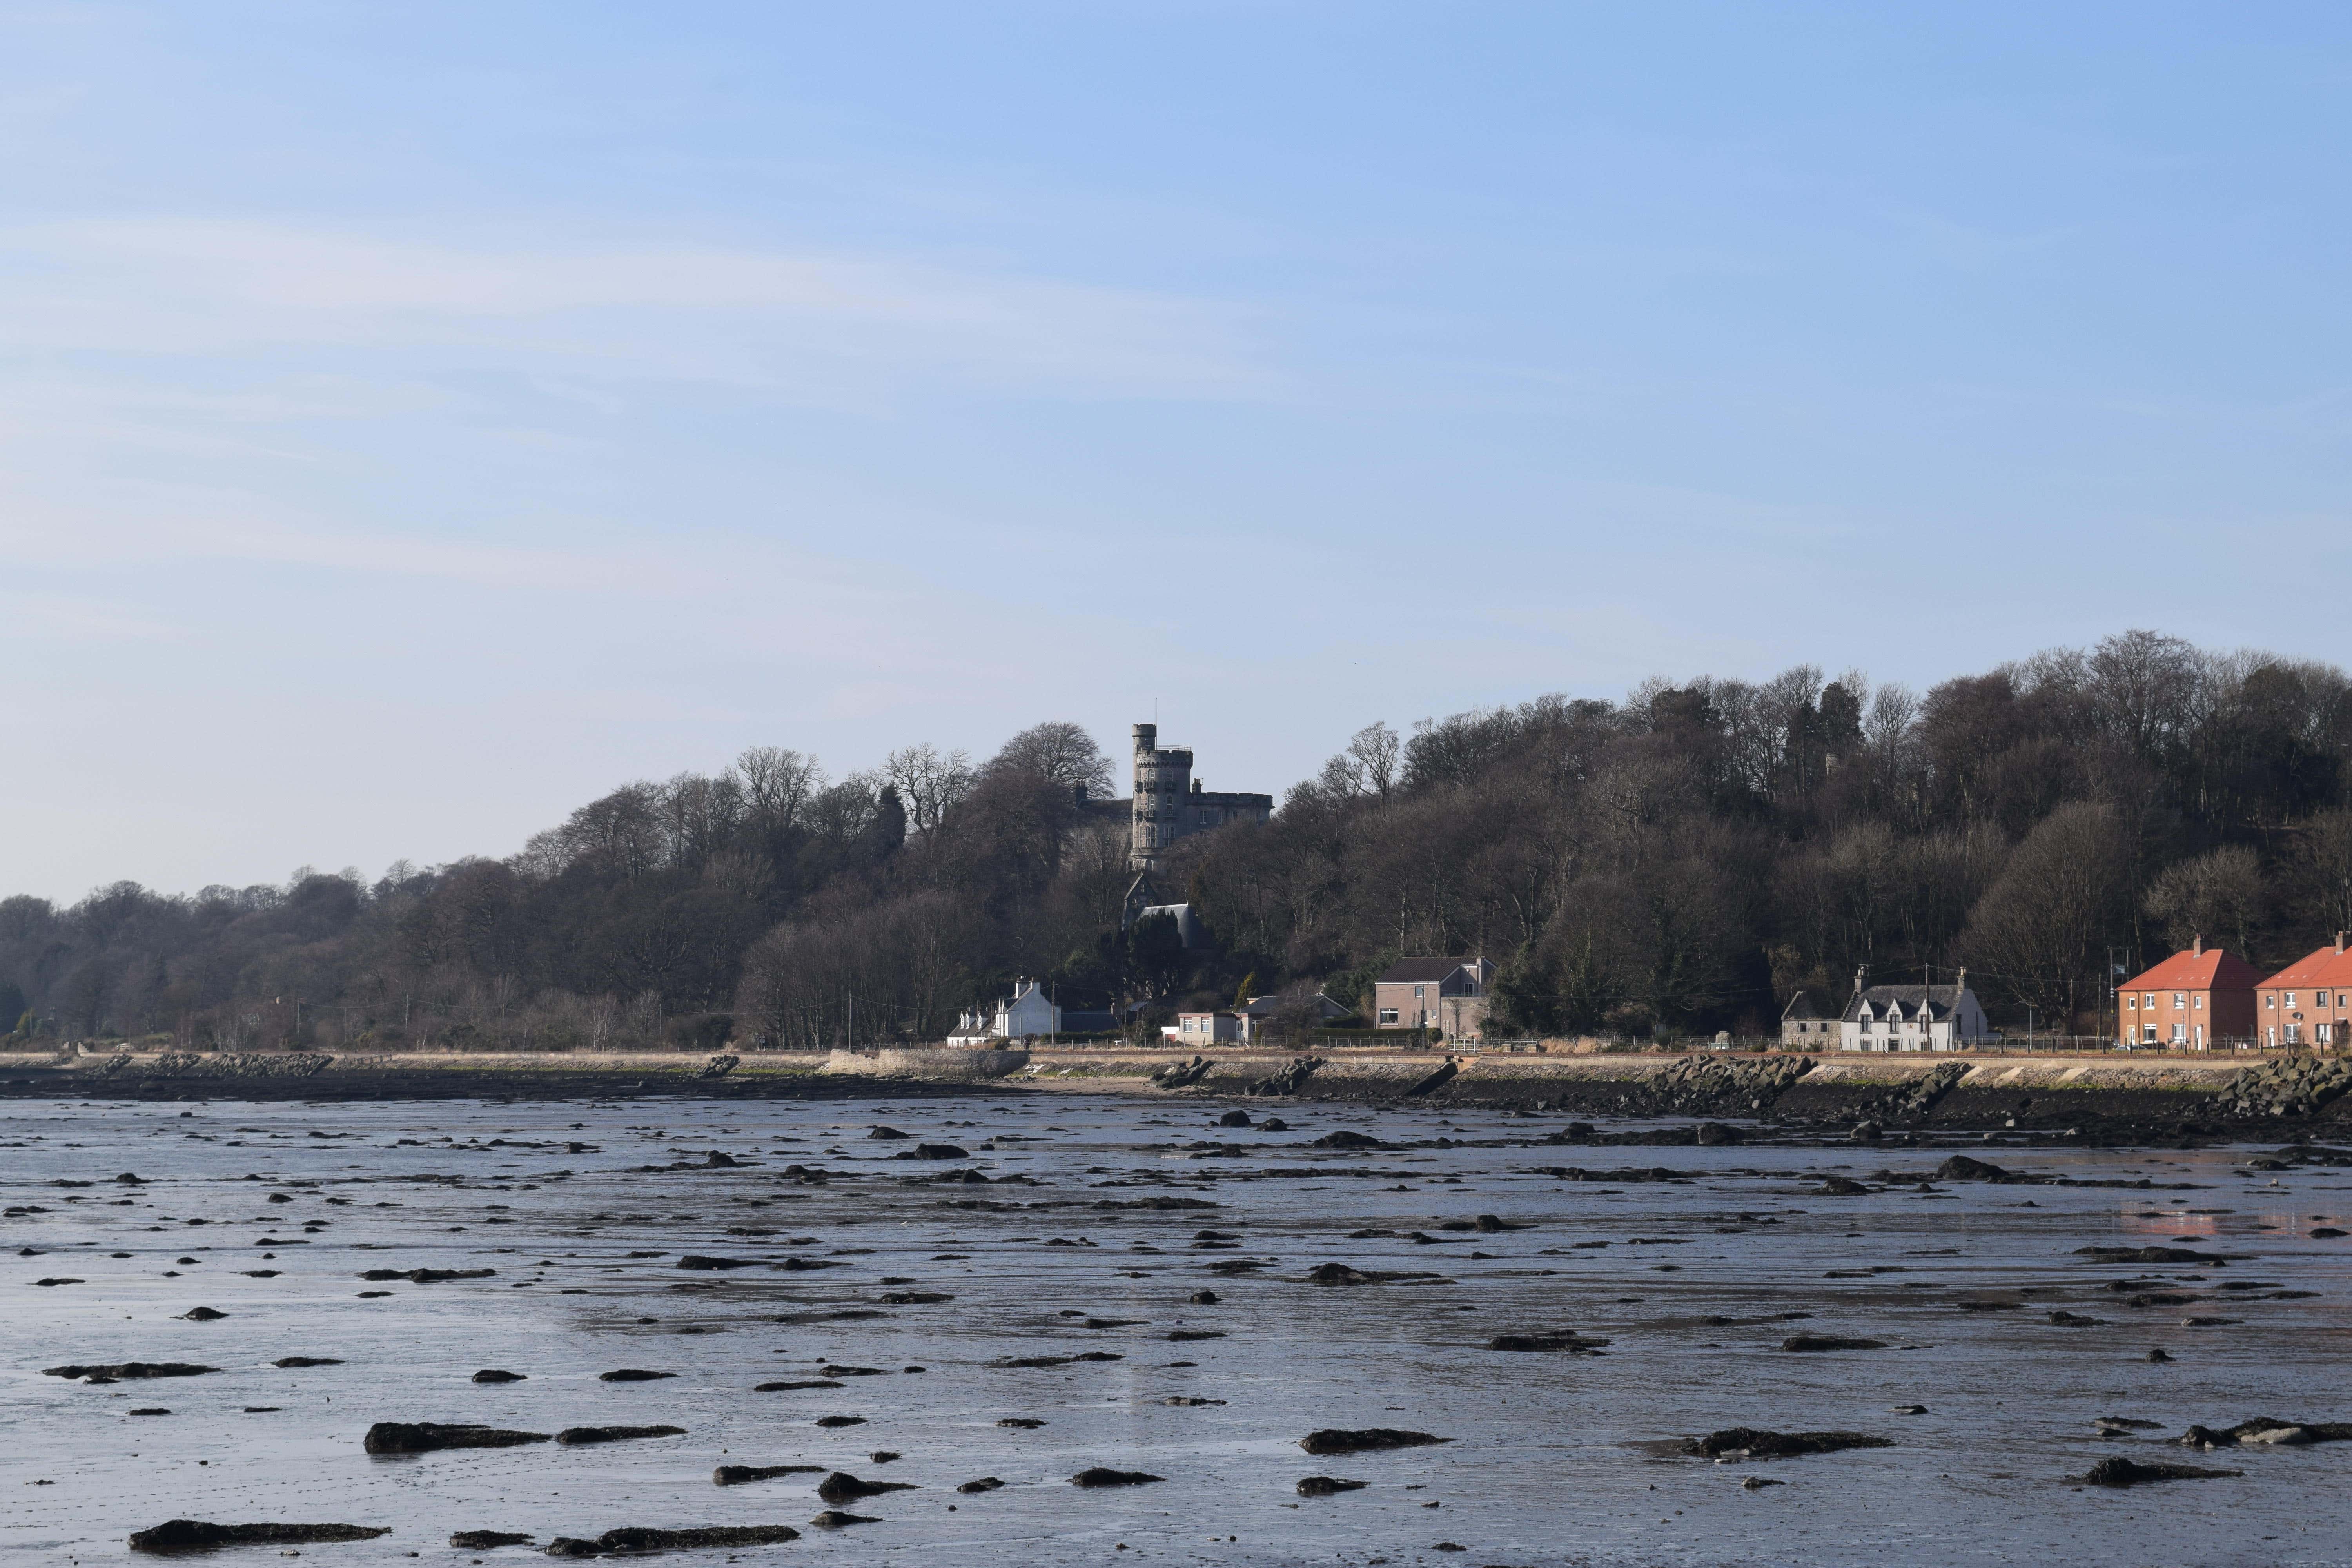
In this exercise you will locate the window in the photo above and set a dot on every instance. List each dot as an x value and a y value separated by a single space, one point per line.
1416 993
2290 999
2131 1003
2270 998
2150 1037
2179 1034
2180 999
2293 1033
1388 1015
2197 1002
2148 1000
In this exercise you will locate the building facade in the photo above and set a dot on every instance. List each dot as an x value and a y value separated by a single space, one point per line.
1168 803
1804 1026
1027 1013
1448 994
2308 1002
2197 997
1913 1018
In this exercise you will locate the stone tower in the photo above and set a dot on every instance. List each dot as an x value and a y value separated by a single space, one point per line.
1163 785
1170 803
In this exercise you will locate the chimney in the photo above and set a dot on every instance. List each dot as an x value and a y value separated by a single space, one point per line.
2339 942
1960 981
2197 944
1860 974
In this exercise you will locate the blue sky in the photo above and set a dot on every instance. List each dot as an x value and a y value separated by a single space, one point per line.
415 419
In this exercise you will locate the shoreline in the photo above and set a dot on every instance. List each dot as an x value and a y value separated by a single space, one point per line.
2098 1098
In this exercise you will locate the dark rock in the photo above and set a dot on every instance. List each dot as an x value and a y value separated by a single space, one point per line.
936 1152
202 1315
736 1475
184 1535
1026 1422
1762 1445
695 1261
428 1276
2144 1255
1234 1119
1960 1168
494 1375
842 1487
1273 1124
834 1519
793 1387
985 1484
1205 1297
833 1422
427 1437
2073 1320
1830 1342
2157 1355
1101 1476
577 1434
486 1540
1841 1187
1343 1139
1757 1483
298 1361
128 1370
1334 1440
1182 1074
1571 1342
637 1538
831 1370
1328 1486
627 1375
879 1132
2132 1473
914 1297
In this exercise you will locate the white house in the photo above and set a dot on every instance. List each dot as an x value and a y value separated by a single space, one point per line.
1913 1018
1027 1012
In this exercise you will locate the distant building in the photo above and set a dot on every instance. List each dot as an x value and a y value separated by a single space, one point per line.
1144 899
2309 1002
1205 1028
1805 1026
2193 998
1258 1014
1170 803
1448 994
1028 1012
1912 1017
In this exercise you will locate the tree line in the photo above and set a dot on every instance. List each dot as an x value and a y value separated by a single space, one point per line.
1684 860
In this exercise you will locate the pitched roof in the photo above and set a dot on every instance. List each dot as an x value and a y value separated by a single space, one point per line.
1801 1006
1904 1001
2328 965
2215 969
1424 969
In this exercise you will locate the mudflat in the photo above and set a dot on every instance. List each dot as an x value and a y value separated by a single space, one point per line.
1004 1322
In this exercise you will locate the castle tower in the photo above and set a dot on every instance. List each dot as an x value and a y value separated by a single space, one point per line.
1163 785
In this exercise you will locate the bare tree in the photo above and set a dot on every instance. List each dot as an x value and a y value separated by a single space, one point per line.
1375 749
2218 894
929 783
1061 751
777 785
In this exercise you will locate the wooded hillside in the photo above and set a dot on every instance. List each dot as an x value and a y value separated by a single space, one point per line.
1680 861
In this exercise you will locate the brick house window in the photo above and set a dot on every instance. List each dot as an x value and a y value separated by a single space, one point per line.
2198 1001
1388 1015
2180 999
2132 1003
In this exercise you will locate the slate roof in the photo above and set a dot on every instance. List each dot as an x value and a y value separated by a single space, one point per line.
1424 968
1904 1001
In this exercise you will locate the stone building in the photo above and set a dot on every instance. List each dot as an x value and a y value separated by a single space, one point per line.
1170 804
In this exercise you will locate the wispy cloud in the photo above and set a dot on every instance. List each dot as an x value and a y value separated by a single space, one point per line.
172 286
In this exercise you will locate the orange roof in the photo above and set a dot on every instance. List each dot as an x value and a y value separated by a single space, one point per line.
2215 969
2329 965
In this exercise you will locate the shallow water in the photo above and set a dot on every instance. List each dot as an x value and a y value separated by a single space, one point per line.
1553 1458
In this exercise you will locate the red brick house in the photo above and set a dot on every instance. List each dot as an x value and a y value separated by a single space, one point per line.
2308 1002
2195 997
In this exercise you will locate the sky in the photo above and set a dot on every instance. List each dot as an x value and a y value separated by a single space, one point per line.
418 418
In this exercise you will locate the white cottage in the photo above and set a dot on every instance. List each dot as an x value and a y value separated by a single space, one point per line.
1913 1018
1028 1012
